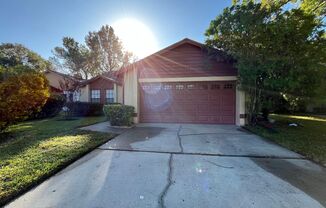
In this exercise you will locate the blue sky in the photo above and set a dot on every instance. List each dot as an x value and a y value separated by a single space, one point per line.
41 24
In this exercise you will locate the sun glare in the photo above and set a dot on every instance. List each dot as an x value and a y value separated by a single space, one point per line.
136 37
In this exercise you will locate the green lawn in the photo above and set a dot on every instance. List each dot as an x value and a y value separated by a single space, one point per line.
308 139
32 151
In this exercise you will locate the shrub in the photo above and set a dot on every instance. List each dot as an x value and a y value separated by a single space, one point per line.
85 109
51 108
119 115
20 96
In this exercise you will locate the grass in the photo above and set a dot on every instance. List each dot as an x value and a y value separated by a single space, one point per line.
36 150
308 139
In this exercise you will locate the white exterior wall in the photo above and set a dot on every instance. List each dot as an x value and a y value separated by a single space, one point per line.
84 94
131 94
240 107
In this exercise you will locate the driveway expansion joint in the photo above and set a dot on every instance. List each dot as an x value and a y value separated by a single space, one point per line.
169 183
202 154
198 134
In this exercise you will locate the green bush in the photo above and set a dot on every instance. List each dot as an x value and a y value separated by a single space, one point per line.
119 115
51 108
84 109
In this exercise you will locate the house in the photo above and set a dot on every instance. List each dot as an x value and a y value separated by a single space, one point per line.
184 83
100 89
61 83
105 88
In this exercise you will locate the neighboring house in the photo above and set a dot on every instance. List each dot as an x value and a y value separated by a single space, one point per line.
61 83
184 83
101 89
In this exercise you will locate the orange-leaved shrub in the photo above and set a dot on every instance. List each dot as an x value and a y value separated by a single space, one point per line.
21 95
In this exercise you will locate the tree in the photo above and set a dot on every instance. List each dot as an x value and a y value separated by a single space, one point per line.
279 53
23 87
102 52
107 53
75 57
317 7
15 59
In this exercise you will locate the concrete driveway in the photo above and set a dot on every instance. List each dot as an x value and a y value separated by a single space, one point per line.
173 165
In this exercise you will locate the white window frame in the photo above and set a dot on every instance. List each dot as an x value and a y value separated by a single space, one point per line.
76 96
179 87
109 96
95 96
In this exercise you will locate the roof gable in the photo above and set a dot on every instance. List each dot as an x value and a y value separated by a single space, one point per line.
105 77
185 41
185 58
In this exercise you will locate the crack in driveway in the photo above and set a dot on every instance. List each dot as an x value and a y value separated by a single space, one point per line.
195 134
221 166
169 183
179 139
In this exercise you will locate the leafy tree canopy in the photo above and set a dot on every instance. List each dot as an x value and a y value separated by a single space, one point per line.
75 57
279 53
106 49
15 59
102 52
23 87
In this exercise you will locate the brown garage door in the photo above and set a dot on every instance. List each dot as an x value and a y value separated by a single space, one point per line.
193 102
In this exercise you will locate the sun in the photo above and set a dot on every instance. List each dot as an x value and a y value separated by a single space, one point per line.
136 37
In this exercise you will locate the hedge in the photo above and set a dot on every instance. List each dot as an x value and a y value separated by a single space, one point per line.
84 109
119 115
51 108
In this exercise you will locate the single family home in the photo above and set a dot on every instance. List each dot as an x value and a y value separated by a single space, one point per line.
182 83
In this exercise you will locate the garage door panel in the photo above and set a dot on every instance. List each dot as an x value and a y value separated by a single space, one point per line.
185 117
226 108
227 119
196 102
183 108
227 113
215 96
202 118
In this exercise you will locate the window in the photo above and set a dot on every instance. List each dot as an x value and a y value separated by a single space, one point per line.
156 87
167 87
203 87
95 96
215 86
190 86
109 96
76 96
146 87
228 86
69 96
179 86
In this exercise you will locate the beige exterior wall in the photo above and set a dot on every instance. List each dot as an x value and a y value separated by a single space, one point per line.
54 79
131 96
84 94
119 94
240 107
